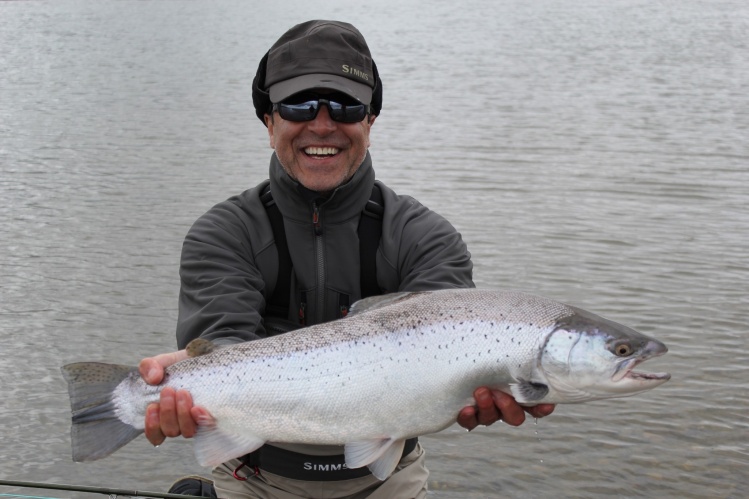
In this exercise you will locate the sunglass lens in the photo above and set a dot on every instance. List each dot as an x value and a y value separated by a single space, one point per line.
347 113
303 111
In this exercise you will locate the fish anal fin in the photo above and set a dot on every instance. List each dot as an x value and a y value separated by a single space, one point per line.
528 392
380 455
214 446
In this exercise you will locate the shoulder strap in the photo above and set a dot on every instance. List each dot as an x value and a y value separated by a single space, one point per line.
278 304
370 232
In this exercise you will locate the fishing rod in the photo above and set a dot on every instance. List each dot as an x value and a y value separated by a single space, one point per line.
95 490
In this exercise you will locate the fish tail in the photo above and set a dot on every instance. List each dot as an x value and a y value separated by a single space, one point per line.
97 431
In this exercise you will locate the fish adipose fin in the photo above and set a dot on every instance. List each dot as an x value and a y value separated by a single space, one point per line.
96 431
199 346
213 447
381 456
528 392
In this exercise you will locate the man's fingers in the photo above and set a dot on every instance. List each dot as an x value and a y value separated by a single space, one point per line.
185 420
152 368
151 371
541 410
167 359
467 418
488 412
168 413
153 425
171 416
512 413
494 405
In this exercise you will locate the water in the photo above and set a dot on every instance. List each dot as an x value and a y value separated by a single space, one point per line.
592 152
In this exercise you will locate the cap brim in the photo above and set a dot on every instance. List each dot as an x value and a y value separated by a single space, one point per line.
284 89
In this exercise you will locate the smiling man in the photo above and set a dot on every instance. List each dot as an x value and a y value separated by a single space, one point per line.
299 249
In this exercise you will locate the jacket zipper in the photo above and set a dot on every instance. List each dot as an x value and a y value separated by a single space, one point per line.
317 225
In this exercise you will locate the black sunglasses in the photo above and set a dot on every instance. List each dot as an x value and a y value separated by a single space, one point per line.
305 108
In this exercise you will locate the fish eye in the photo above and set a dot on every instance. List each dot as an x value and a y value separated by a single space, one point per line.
623 350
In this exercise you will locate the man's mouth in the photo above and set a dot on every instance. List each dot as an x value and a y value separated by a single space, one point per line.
321 151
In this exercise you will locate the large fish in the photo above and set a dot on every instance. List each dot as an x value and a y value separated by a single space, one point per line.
398 366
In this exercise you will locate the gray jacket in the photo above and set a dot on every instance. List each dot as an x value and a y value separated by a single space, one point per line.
229 259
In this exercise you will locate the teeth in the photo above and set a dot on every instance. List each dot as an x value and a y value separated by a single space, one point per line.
321 151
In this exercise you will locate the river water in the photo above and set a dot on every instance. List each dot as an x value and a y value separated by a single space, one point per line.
593 152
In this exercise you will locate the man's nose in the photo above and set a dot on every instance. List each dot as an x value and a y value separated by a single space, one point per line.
322 122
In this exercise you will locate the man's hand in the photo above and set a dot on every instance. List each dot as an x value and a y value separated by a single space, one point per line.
493 405
175 414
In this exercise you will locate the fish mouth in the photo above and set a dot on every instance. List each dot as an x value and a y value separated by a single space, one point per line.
625 370
641 376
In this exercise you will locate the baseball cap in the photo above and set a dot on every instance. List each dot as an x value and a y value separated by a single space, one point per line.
320 54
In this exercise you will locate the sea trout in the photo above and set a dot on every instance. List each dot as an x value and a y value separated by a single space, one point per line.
399 366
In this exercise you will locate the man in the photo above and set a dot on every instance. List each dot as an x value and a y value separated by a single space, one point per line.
246 275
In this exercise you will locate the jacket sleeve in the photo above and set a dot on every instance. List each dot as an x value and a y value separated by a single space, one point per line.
422 249
221 288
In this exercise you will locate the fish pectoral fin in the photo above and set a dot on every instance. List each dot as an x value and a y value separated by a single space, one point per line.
528 392
380 455
213 447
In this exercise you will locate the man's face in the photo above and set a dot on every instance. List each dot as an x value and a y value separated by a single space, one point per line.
320 154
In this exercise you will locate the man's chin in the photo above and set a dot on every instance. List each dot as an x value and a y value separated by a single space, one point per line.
323 183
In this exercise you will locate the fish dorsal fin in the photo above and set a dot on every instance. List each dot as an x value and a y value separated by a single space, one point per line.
213 447
375 302
199 346
381 455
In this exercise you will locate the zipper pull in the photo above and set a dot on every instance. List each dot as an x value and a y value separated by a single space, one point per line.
316 220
